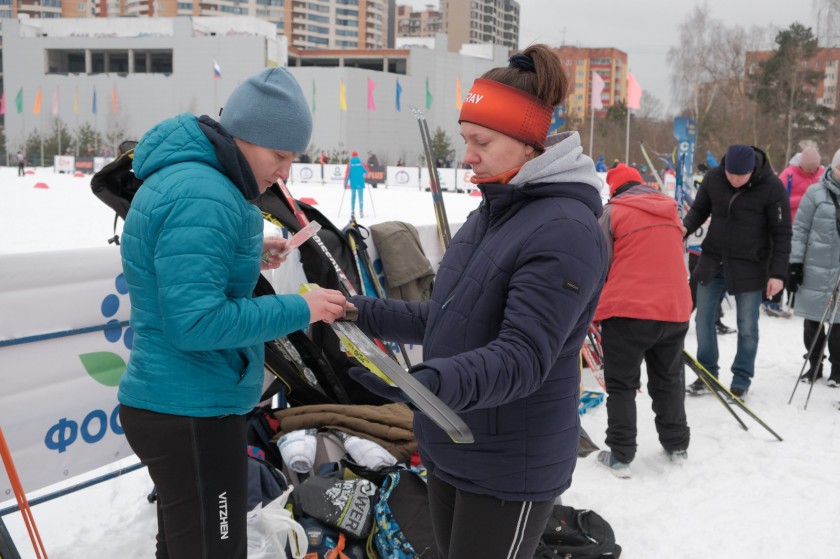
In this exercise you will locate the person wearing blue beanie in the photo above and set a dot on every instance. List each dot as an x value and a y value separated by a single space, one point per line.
192 248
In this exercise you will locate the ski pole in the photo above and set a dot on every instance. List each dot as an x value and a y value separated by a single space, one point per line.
822 348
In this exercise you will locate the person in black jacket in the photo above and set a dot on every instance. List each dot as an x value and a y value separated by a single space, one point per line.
510 308
744 253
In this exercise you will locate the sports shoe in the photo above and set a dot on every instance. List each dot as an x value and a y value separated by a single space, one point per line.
834 381
697 388
722 328
739 392
808 376
679 457
617 468
772 308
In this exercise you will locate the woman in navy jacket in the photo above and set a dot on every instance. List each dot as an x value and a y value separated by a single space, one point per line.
512 302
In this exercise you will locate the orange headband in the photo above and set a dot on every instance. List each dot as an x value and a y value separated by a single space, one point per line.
508 110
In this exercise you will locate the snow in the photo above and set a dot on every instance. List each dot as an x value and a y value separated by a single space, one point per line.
741 494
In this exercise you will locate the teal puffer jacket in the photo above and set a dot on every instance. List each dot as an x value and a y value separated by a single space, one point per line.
191 250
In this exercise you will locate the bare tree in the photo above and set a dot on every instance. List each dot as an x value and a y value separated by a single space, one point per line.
828 22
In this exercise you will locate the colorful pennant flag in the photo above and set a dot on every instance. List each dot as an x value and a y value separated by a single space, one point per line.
458 99
114 100
342 96
93 105
597 90
399 94
3 103
634 92
371 103
36 110
217 70
313 96
55 102
428 95
19 101
76 102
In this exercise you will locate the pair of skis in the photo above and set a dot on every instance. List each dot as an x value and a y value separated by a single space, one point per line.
434 180
723 395
593 355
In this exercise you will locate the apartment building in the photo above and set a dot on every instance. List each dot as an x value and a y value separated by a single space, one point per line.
579 63
417 23
481 21
826 61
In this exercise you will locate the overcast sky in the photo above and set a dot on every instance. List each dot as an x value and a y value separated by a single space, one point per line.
644 29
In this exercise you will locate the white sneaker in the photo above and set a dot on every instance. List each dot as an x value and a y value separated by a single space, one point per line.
678 457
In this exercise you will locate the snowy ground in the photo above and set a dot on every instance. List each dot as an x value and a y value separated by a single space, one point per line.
741 495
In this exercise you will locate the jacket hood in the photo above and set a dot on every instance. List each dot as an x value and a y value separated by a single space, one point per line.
830 182
646 199
186 138
812 178
562 171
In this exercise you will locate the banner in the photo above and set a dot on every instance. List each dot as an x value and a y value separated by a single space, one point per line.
58 406
402 176
446 176
306 173
99 162
64 163
334 173
685 132
376 175
462 180
85 165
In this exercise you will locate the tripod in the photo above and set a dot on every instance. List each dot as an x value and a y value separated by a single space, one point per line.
829 314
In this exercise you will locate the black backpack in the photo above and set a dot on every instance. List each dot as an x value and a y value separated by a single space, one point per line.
116 185
572 533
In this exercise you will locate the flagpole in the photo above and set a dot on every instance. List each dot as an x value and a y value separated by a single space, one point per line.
627 140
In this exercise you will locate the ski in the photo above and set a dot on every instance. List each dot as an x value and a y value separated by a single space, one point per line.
593 365
719 390
359 346
434 180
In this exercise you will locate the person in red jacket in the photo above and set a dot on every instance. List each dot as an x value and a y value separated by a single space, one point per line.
644 311
799 176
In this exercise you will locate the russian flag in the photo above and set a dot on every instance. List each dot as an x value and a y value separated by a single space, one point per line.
217 70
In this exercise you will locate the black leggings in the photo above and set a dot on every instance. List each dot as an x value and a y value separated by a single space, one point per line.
200 468
471 525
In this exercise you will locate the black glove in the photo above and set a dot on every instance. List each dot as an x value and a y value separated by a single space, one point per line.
796 273
427 378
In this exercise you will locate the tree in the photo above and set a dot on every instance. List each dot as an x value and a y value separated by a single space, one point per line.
87 138
785 90
442 146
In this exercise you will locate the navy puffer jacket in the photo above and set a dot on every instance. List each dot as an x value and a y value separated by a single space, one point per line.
512 302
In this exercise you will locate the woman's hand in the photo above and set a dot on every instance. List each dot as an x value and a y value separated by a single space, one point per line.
326 305
274 252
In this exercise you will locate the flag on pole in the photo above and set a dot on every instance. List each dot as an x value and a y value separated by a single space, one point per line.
114 100
634 92
597 90
428 95
37 108
217 70
19 101
399 94
458 102
313 96
93 105
76 102
55 102
3 103
342 96
371 103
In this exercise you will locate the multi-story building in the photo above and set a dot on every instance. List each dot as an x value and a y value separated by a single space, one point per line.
481 21
579 63
343 24
826 61
411 23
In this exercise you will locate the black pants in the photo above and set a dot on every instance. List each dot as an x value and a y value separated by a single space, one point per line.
200 469
471 525
21 170
811 329
626 342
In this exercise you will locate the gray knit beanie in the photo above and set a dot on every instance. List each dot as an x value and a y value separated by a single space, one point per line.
269 110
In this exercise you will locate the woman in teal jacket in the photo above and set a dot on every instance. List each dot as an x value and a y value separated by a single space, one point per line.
192 248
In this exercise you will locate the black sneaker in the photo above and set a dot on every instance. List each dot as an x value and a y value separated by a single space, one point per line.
739 392
808 376
616 467
722 328
697 388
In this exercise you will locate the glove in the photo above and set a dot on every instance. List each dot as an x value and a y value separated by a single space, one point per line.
796 273
426 377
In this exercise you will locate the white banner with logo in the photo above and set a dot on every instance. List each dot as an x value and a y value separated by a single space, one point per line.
462 180
64 342
334 173
306 173
99 162
64 163
446 177
402 176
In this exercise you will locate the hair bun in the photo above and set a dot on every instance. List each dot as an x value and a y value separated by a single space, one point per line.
522 62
